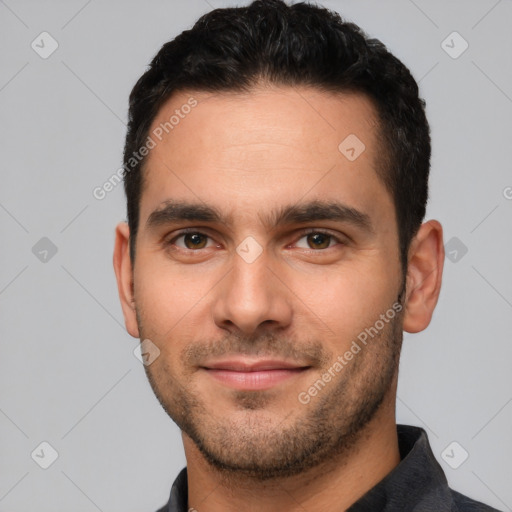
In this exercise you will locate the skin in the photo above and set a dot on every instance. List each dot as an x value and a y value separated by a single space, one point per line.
305 298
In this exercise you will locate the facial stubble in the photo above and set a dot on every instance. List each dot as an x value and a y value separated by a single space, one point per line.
261 446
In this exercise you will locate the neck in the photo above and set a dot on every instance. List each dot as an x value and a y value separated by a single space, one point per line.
333 485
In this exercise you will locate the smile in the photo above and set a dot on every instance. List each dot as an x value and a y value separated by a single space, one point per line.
253 375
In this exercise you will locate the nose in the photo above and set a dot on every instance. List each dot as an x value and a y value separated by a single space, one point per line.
251 298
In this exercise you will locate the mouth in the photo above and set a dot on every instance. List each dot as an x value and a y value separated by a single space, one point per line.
247 374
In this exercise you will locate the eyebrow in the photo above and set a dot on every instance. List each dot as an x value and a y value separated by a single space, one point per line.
171 211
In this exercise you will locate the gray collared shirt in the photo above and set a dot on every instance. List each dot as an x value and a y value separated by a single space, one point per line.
417 484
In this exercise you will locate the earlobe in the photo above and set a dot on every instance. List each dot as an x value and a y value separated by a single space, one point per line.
424 276
124 276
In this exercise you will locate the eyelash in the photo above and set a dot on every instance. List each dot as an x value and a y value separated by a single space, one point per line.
303 234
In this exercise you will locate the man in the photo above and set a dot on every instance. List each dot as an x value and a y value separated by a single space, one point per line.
276 169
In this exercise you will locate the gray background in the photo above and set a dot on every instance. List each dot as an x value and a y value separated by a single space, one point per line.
68 373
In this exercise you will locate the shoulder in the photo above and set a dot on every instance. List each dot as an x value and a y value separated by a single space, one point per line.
462 503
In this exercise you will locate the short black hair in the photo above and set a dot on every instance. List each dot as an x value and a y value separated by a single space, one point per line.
232 49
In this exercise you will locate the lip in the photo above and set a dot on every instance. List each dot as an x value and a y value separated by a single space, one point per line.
252 365
250 374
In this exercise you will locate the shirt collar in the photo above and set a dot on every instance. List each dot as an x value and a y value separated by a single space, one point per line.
418 482
415 484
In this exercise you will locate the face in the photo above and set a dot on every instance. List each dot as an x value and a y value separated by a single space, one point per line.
267 254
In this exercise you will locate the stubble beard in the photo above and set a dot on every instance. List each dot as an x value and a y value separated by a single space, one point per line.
262 447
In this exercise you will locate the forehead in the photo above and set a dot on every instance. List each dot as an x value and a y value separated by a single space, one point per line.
302 117
270 146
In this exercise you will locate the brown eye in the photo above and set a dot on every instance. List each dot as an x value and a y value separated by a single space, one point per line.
195 240
191 241
319 240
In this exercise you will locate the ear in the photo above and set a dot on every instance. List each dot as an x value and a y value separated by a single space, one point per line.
424 276
124 276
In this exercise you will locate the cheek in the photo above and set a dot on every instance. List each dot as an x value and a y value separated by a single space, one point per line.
346 301
167 296
173 307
